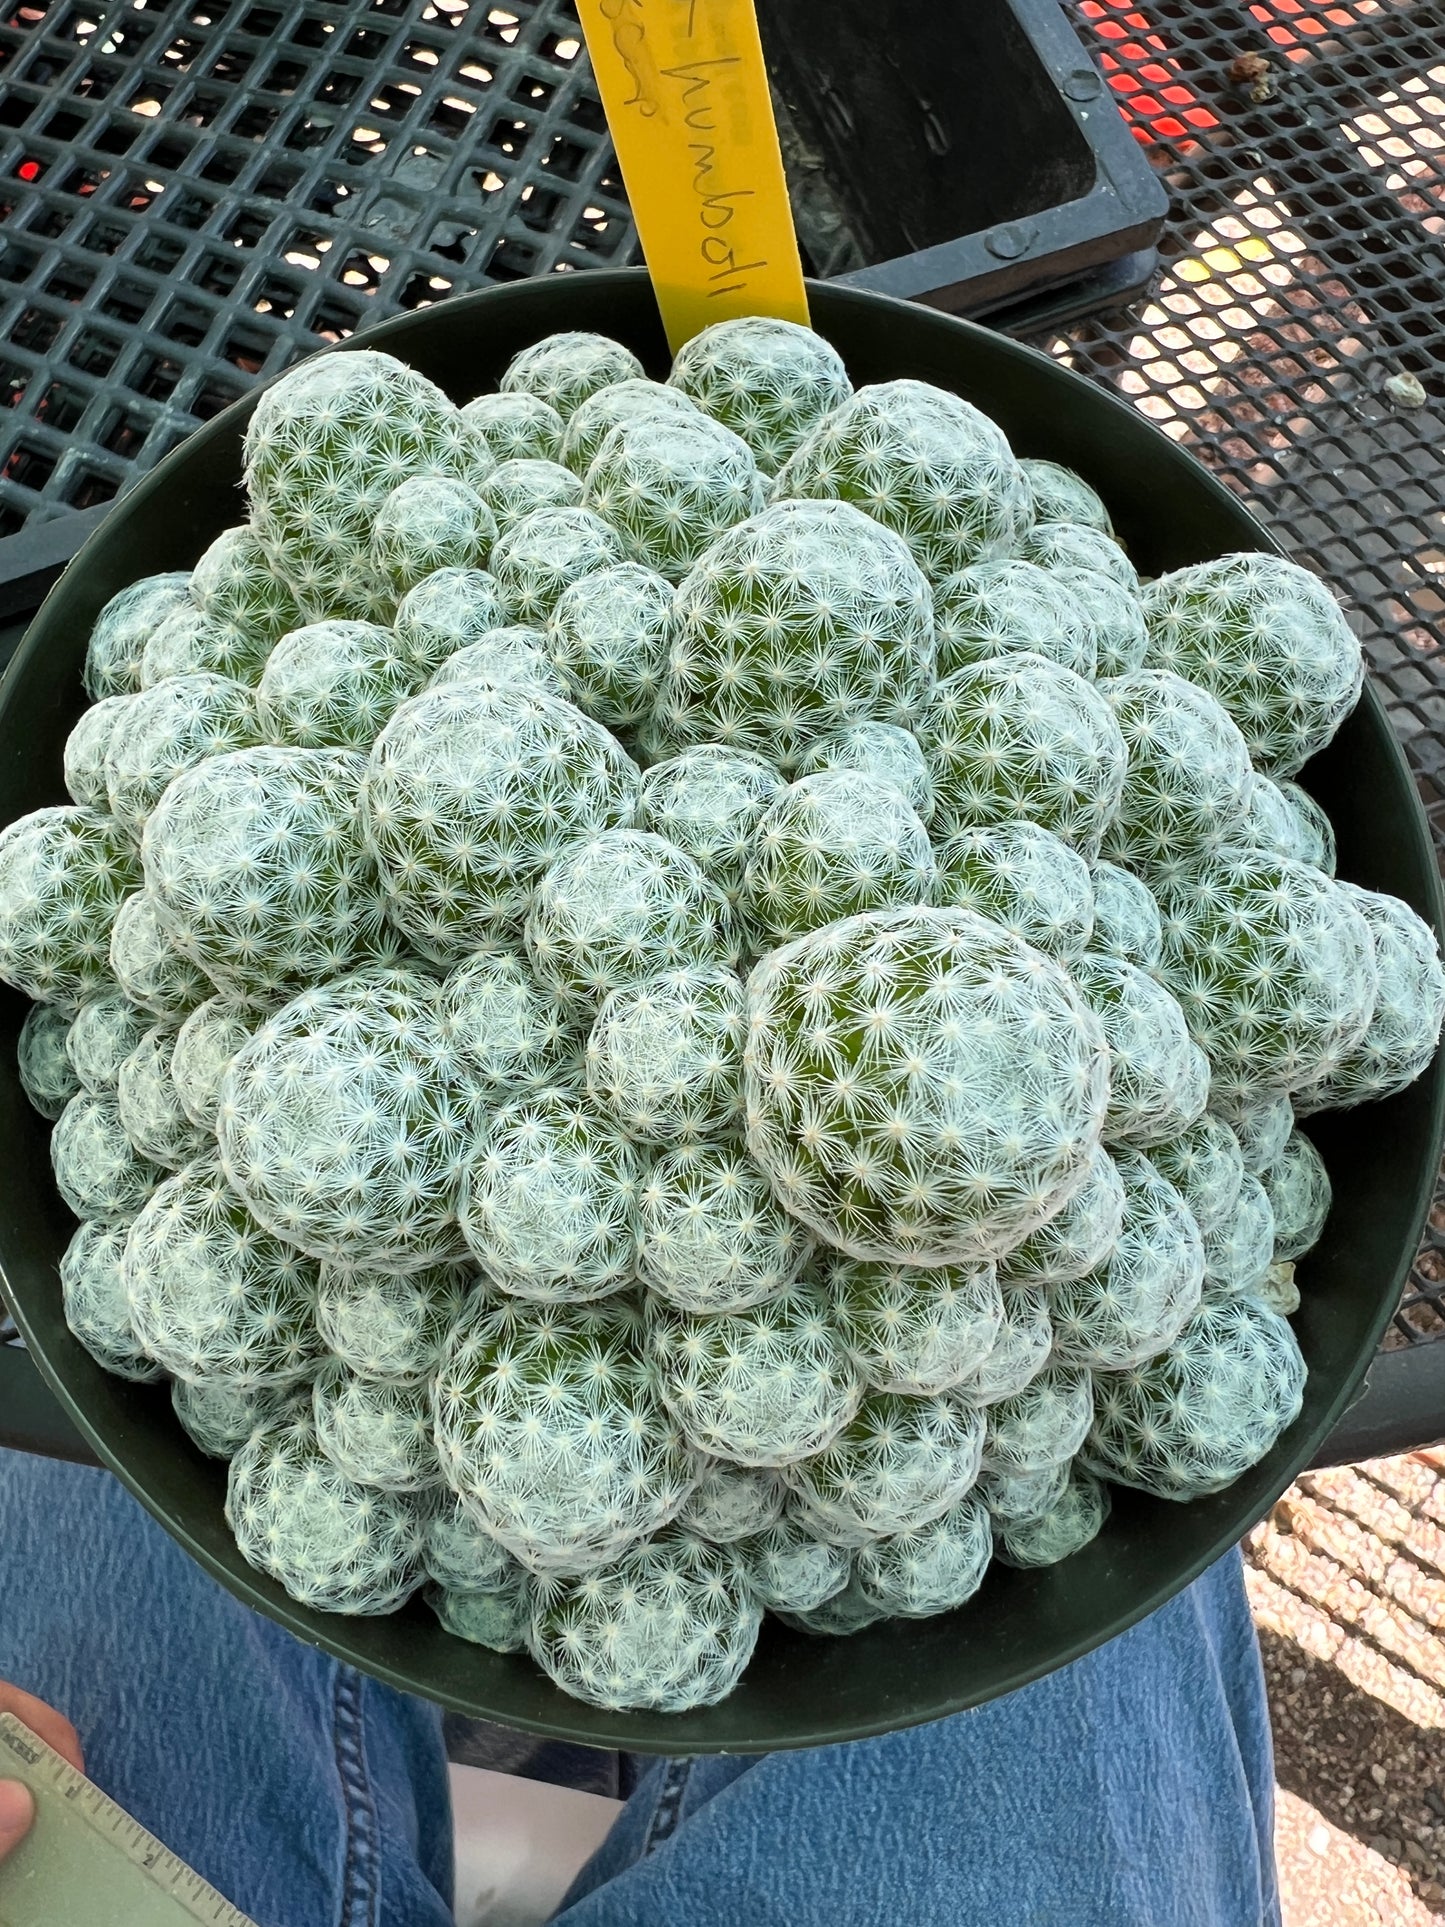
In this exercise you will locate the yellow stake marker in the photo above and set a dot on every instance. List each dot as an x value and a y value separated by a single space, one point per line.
688 106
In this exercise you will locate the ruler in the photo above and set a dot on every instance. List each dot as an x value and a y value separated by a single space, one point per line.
688 108
86 1862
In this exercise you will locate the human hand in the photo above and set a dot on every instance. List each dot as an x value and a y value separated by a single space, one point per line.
17 1808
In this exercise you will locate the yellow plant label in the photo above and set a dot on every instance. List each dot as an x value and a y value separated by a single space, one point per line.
687 102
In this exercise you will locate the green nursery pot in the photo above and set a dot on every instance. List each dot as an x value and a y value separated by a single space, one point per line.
798 1691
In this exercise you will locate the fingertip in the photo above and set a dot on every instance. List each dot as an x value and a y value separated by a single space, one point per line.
17 1812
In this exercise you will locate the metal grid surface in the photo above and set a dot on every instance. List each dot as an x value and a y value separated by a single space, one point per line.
1296 341
197 192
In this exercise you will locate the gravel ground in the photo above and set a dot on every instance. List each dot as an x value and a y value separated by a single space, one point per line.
1347 1581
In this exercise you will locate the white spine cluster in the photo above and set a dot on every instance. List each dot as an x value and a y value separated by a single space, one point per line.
1206 1166
122 629
670 1626
234 583
64 873
378 1431
789 1569
1018 1498
1072 545
621 402
98 1171
763 1387
47 1076
920 1085
92 1288
1188 773
325 446
1008 608
1239 1250
204 1047
151 1112
1158 1077
769 381
1405 1020
106 1030
332 685
332 1543
882 751
516 427
1137 1302
512 655
1268 639
549 1426
1274 967
564 369
1126 917
665 1055
899 1462
257 860
912 1328
712 1236
830 846
218 1414
544 553
1113 617
930 1569
1043 1425
1019 736
1066 1528
732 1502
444 612
668 485
708 801
170 728
470 794
85 750
1192 1420
1080 1235
1260 1120
147 964
609 636
518 487
923 462
190 643
504 1028
430 522
340 1128
804 618
458 1551
212 1294
498 1619
1299 1191
549 1200
1023 877
620 907
1059 495
394 1326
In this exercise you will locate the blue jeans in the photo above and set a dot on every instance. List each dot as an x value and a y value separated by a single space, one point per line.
1132 1789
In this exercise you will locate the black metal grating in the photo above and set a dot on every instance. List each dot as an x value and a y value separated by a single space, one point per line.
1296 341
197 192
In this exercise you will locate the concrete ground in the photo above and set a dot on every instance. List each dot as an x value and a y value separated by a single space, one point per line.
1347 1581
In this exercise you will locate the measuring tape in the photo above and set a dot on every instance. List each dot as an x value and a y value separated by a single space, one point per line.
86 1862
689 111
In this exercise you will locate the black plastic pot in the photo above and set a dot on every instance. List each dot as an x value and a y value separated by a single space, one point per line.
797 1691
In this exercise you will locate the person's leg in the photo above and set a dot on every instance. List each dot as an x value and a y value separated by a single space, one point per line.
1132 1789
308 1794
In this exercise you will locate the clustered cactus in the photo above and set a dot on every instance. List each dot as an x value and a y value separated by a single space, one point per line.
667 1000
